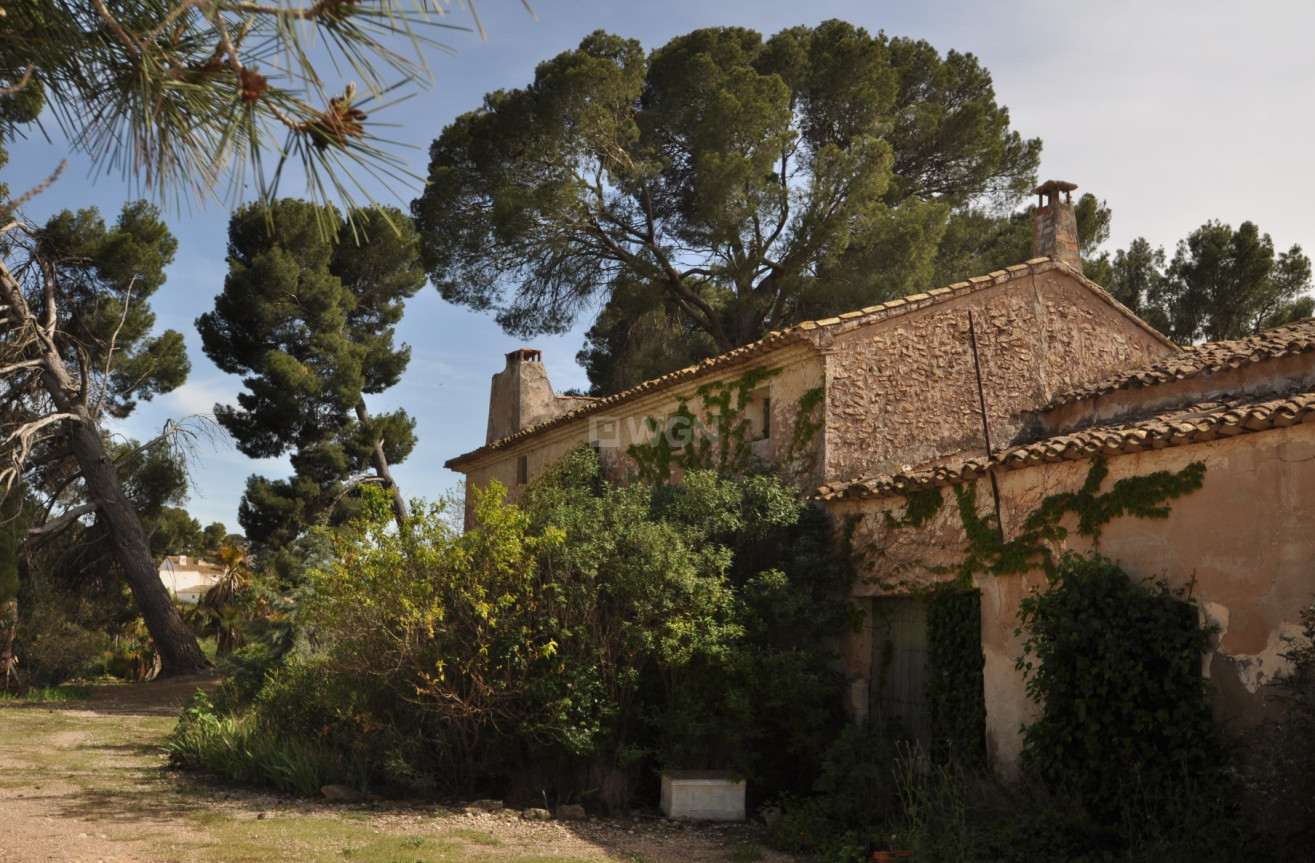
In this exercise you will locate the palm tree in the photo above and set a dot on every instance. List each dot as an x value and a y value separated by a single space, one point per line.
221 601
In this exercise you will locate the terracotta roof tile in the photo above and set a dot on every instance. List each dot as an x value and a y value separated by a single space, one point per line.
1296 338
770 342
1188 425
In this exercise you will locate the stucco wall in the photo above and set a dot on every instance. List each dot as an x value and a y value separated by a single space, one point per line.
615 428
1249 379
1244 542
904 391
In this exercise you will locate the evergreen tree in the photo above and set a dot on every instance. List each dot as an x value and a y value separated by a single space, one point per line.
309 321
1221 284
719 188
185 96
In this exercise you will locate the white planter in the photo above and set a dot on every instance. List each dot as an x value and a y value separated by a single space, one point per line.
703 795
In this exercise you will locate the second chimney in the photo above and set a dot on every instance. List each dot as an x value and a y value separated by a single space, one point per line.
1057 224
521 395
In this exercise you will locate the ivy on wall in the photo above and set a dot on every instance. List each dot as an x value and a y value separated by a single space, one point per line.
1030 547
1116 667
956 703
919 508
955 696
718 437
808 421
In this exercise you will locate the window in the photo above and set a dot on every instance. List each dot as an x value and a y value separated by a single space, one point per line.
522 470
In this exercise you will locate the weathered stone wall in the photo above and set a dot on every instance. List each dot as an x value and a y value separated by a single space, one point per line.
520 396
904 391
1244 543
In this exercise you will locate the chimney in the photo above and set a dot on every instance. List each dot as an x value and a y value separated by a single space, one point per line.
521 395
1056 224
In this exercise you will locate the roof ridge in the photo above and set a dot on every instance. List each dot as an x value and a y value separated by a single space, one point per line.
1180 427
788 335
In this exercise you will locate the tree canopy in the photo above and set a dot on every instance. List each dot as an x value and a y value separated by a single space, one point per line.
80 290
1221 283
309 321
731 183
186 99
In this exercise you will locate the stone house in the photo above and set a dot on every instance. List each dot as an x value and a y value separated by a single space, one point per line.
1009 384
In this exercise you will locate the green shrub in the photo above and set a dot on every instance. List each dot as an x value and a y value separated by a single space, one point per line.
594 632
55 650
245 672
130 656
1116 668
250 749
953 814
1127 733
699 615
1279 770
855 804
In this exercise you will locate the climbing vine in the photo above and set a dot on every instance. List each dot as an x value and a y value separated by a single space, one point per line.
1116 667
717 438
990 553
955 701
808 421
956 706
919 508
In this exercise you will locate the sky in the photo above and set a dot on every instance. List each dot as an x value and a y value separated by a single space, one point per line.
1173 113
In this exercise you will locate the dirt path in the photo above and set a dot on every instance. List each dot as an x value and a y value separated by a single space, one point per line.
87 781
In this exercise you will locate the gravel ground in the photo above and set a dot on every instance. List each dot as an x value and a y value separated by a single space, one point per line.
87 781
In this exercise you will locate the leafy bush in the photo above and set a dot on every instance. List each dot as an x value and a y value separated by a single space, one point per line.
956 814
249 749
1116 667
1279 771
56 650
599 630
699 613
245 672
854 806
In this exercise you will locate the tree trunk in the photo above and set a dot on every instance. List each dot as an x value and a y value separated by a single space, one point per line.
381 468
174 642
8 628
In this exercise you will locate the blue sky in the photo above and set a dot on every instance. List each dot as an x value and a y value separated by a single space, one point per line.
1172 112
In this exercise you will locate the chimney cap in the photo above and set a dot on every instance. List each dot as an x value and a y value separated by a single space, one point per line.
524 355
1054 187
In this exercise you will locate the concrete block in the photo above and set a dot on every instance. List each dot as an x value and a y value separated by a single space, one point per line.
703 795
